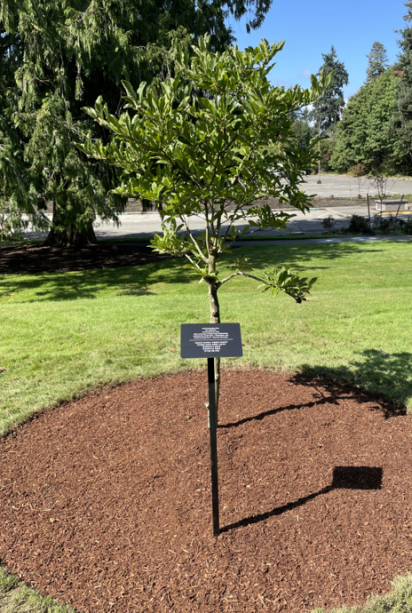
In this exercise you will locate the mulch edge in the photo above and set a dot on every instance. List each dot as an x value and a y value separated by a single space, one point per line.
400 584
326 381
27 595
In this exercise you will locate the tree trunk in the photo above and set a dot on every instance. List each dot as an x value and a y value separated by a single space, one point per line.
215 319
70 236
319 151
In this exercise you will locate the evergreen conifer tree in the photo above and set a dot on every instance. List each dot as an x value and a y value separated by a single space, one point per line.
327 110
378 61
403 117
365 135
60 56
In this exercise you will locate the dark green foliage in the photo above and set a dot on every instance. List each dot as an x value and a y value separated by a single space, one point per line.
328 109
403 117
12 167
405 226
56 57
378 61
303 128
365 134
327 147
359 225
328 222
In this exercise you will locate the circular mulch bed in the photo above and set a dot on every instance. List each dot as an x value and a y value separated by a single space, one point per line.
24 259
105 502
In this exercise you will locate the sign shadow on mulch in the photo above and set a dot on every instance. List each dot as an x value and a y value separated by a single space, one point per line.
344 477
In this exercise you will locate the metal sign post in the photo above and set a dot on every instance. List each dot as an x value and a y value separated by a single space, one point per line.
213 444
211 341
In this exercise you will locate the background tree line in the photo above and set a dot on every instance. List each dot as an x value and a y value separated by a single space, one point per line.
371 133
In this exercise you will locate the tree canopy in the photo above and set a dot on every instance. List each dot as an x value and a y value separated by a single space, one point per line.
194 154
365 135
58 56
378 61
403 116
327 110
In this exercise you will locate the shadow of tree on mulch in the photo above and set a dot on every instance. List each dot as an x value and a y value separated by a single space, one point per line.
387 377
344 477
28 259
290 407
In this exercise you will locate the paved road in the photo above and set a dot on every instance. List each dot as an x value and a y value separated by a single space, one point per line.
350 187
136 225
144 226
141 226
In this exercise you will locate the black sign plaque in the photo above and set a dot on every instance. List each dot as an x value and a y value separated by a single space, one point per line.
210 341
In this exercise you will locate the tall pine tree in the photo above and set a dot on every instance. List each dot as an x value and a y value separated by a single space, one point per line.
327 110
62 54
378 61
403 116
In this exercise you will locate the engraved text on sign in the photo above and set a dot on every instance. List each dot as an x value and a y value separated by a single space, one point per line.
211 341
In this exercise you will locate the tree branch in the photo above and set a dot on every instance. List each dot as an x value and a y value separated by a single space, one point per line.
194 241
245 274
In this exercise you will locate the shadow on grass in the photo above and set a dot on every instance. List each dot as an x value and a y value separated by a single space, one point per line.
386 377
136 279
344 477
130 280
299 256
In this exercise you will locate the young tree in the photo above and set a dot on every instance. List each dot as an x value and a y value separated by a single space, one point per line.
378 62
194 153
65 53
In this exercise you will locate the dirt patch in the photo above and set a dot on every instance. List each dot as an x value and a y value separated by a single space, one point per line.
105 502
36 258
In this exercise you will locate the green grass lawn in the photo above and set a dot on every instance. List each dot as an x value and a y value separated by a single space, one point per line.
63 334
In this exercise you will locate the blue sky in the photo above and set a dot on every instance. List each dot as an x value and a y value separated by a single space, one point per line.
310 28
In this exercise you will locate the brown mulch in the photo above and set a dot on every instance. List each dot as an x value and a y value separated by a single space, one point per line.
21 259
105 502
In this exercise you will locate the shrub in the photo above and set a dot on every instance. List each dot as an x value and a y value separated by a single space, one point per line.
359 225
328 222
359 170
